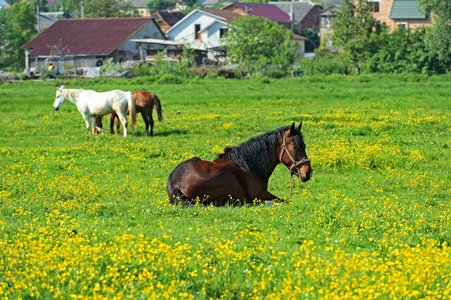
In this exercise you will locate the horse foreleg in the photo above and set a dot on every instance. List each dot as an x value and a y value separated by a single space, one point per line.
86 118
124 122
93 123
99 126
117 125
147 122
112 117
267 196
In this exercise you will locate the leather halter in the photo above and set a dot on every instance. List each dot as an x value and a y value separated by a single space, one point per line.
295 164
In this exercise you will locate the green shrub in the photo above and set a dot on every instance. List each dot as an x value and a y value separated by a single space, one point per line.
403 51
143 70
265 80
276 73
325 63
168 79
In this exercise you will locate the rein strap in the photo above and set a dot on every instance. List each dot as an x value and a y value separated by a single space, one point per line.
294 165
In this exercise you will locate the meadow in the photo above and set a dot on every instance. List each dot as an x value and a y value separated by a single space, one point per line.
87 216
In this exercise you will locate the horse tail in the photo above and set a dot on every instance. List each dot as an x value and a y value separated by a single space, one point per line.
131 108
157 104
176 197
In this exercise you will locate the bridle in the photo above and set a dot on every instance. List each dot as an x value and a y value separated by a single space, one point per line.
295 164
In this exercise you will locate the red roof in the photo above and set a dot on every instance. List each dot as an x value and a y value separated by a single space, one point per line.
268 11
168 17
226 14
86 36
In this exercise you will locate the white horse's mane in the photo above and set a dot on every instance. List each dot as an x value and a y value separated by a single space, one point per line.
70 93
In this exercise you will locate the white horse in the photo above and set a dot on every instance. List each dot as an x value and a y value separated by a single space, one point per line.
93 104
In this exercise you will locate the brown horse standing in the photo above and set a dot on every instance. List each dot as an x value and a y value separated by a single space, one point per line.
240 175
144 101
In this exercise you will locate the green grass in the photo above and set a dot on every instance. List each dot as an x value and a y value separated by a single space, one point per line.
84 216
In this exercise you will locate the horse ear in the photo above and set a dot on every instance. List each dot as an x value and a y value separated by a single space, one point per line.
299 126
292 132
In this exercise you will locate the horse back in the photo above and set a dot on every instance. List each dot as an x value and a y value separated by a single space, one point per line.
196 178
143 100
102 103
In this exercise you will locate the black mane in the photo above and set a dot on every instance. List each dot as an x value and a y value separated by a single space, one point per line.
255 155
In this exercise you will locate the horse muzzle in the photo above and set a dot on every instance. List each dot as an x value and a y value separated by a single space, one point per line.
56 108
305 177
302 169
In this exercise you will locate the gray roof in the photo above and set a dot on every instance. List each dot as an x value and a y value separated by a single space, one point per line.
406 9
46 19
326 3
331 10
207 3
300 8
139 4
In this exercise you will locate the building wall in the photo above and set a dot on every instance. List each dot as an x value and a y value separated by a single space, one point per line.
39 64
383 15
186 31
312 19
150 30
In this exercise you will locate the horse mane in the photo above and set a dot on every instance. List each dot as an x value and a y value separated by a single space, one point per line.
71 93
255 154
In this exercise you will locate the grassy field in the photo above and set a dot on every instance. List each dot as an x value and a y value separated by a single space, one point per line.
87 217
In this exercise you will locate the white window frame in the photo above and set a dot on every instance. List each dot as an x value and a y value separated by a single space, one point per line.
405 24
373 10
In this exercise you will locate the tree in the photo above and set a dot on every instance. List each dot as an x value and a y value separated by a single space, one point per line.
17 28
157 5
255 42
438 38
70 7
94 8
404 51
357 32
313 37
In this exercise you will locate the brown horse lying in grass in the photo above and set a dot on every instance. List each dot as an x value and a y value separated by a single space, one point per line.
240 175
145 102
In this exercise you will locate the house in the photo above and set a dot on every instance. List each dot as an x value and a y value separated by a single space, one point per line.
327 3
327 17
306 13
208 3
268 11
4 4
167 19
141 7
202 30
400 13
45 19
85 42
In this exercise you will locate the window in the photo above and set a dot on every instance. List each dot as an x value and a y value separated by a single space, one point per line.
374 5
327 21
197 31
222 32
402 26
